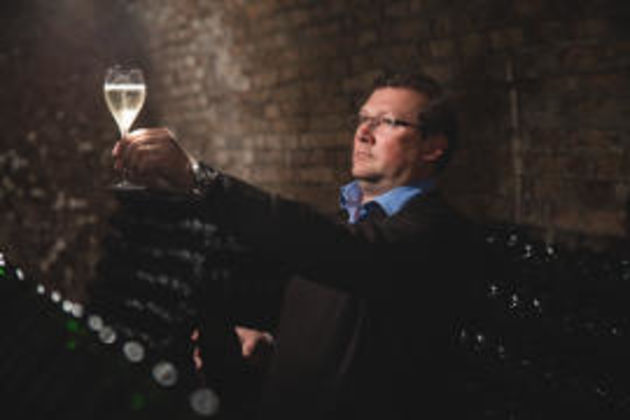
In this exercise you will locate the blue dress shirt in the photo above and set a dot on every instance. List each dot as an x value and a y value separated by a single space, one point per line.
391 202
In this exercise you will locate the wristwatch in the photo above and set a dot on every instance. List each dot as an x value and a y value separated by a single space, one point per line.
205 178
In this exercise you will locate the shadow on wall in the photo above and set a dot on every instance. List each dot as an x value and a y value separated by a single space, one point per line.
480 180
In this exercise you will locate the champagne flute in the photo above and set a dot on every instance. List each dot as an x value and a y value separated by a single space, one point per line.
125 92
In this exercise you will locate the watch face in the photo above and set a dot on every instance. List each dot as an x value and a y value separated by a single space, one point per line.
197 173
204 177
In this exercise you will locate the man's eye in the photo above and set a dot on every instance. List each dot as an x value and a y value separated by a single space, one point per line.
362 119
390 122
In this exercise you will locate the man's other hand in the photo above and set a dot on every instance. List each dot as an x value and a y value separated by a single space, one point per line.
256 346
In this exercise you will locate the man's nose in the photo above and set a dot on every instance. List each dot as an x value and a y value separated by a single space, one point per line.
365 133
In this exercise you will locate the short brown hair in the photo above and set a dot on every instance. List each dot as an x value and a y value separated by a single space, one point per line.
437 118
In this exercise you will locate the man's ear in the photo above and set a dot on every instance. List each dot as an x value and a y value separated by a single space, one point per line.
436 146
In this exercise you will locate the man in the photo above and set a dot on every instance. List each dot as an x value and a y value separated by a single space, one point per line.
370 318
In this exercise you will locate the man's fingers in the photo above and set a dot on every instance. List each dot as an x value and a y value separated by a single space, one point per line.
153 157
255 345
144 142
160 135
145 157
143 167
120 152
143 132
140 156
248 348
116 149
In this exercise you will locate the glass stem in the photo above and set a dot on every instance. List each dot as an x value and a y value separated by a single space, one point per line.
123 175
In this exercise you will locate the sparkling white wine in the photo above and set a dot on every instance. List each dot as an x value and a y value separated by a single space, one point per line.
124 101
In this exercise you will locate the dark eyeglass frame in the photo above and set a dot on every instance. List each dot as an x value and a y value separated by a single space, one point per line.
378 120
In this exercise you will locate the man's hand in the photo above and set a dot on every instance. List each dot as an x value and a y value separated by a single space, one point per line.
256 346
153 158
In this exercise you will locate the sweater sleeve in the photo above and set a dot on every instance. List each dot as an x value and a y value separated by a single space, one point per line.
371 259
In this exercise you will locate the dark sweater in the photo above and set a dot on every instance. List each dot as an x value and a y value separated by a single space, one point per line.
370 317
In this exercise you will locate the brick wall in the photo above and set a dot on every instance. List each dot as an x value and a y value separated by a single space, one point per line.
262 89
256 88
542 88
56 134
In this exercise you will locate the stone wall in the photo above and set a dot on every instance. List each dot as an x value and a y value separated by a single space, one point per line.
263 90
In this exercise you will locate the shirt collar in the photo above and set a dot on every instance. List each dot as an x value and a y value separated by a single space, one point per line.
391 202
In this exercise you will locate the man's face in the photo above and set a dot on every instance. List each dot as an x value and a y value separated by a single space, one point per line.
390 155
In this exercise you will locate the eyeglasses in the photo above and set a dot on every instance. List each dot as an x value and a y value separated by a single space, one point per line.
388 122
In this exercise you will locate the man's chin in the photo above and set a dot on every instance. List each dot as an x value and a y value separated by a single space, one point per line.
362 172
366 177
358 173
